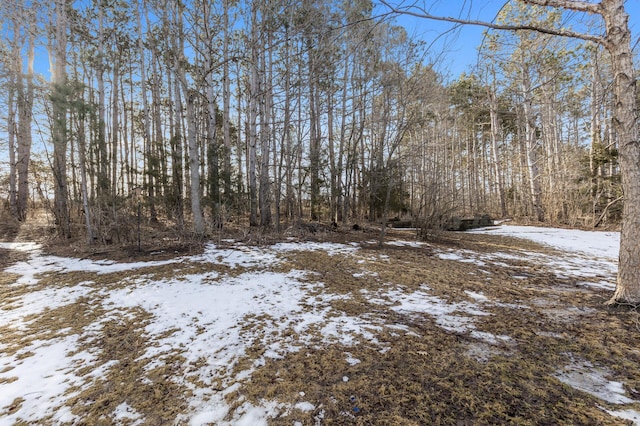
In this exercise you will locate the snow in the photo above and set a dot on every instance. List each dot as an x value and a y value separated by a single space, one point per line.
588 254
304 406
216 317
40 264
401 243
598 244
41 379
351 360
125 412
587 378
464 256
38 301
631 415
476 296
450 316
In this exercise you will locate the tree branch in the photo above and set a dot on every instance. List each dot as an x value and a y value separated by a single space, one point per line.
606 209
577 5
419 12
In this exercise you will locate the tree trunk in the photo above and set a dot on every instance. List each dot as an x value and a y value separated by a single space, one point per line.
194 162
264 196
226 107
314 143
530 137
102 159
25 114
343 144
618 42
240 184
192 138
82 148
595 130
212 150
146 121
287 145
177 203
115 129
14 78
128 134
253 116
59 122
333 197
497 165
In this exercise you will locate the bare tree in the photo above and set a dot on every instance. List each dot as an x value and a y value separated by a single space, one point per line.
14 75
226 103
265 88
252 125
25 115
191 96
495 133
20 95
59 118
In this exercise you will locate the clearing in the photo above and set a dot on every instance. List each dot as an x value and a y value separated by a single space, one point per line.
501 326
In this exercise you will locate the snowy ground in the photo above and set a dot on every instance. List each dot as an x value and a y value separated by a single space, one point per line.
213 317
585 253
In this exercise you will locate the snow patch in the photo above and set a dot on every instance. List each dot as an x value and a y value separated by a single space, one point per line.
593 380
595 243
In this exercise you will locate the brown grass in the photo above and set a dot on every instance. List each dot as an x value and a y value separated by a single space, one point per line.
151 392
431 376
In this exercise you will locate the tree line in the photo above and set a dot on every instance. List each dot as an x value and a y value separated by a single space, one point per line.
270 112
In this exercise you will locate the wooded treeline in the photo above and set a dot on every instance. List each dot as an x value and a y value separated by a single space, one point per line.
270 112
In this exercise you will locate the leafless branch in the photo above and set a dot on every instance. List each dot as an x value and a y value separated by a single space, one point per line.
578 6
419 12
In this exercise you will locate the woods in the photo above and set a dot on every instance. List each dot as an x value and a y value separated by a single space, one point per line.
266 114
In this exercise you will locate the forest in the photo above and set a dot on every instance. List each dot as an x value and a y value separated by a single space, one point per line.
199 114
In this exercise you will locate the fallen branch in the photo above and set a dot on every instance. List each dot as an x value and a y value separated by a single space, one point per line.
604 212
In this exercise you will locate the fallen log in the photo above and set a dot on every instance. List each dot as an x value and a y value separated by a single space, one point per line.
463 224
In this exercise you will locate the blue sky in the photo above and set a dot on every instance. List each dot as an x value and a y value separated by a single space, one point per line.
457 50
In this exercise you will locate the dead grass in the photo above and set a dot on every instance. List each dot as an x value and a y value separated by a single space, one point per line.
418 380
10 293
152 392
49 325
432 376
9 257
